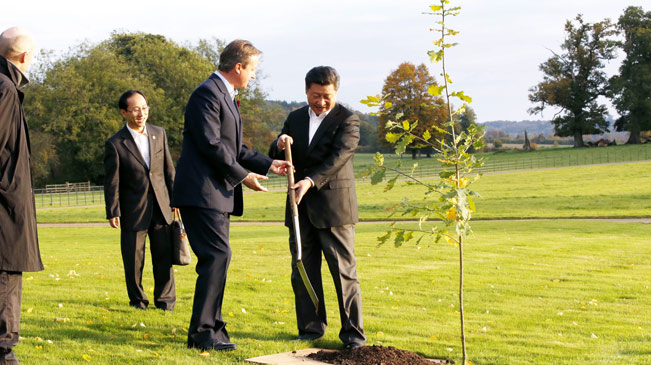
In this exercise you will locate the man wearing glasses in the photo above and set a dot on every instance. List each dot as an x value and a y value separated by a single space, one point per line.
137 187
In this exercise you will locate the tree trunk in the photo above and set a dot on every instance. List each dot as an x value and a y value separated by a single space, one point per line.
578 139
634 136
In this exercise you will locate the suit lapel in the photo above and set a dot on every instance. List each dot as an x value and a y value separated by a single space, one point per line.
130 145
153 145
327 122
231 106
302 133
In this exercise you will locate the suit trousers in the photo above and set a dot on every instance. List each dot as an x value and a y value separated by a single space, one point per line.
11 288
133 257
208 232
338 247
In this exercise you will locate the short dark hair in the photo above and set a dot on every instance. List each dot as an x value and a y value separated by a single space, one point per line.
123 104
238 51
322 75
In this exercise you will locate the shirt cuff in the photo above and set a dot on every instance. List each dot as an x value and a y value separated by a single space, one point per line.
312 181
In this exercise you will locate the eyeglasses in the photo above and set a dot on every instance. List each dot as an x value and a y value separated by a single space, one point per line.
144 109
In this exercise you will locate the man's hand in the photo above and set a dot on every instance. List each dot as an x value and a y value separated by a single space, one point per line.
251 182
301 188
280 167
283 140
114 222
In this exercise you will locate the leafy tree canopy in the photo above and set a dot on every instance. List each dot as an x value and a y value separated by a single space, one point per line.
574 80
406 89
631 89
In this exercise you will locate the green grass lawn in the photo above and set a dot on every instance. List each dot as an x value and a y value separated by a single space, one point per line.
551 291
617 190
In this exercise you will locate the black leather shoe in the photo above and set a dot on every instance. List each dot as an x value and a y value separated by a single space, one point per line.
309 337
217 346
354 345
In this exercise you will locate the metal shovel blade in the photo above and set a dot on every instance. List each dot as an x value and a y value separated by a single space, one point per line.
301 267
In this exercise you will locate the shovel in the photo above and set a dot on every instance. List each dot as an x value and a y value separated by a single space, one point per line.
297 230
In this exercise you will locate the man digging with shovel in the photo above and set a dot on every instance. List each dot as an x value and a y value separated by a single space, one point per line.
323 137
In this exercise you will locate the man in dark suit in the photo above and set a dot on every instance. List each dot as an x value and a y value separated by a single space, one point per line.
137 187
208 187
324 136
19 251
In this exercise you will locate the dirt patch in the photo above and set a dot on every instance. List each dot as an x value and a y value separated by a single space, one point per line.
374 355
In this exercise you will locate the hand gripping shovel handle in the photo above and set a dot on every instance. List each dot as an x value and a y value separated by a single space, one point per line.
297 231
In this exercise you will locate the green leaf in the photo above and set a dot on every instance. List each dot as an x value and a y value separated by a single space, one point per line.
408 236
435 90
383 239
400 238
427 135
378 176
391 183
436 56
462 96
392 137
379 159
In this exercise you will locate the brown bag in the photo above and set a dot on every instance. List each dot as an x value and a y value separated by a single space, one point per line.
180 245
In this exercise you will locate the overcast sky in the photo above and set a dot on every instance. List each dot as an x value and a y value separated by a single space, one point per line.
501 44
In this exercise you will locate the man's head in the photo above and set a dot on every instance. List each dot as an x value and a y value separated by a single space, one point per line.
321 85
17 46
238 62
134 109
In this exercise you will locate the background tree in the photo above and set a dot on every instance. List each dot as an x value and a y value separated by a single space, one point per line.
406 89
574 80
631 89
466 118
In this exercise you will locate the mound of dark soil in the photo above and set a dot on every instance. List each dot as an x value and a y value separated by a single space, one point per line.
373 355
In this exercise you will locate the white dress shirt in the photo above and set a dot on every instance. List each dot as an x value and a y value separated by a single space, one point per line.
142 141
231 89
315 122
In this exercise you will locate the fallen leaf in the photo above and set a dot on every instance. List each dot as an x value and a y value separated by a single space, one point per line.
205 354
104 309
39 347
30 310
230 314
146 335
142 324
62 319
86 357
243 310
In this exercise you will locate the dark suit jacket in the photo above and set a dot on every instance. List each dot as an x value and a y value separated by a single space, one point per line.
128 182
19 249
328 161
213 159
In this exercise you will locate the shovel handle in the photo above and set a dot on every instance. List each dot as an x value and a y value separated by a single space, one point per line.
290 179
